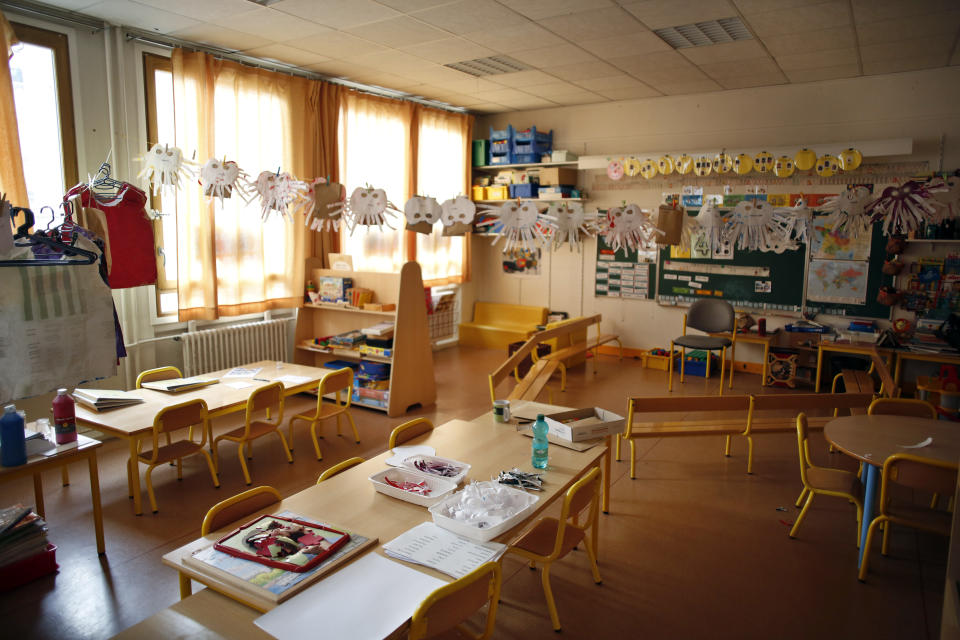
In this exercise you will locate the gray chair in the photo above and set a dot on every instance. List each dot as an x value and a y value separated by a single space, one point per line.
709 316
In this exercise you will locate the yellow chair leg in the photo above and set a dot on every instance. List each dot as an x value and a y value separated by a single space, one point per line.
563 375
726 448
933 500
670 368
243 463
859 521
619 437
803 494
885 545
212 467
593 560
723 365
633 460
286 449
353 425
338 424
802 515
186 588
149 478
179 468
862 576
316 444
548 593
683 362
65 476
749 454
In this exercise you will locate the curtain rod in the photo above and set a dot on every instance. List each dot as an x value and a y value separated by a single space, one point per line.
54 14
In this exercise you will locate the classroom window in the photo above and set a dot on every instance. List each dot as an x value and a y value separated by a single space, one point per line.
40 72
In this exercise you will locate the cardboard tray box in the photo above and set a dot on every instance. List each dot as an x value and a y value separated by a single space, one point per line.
578 425
566 176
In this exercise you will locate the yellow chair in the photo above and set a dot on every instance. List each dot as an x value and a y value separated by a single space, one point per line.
551 539
451 604
408 431
902 407
160 373
337 468
268 399
823 481
913 472
710 316
179 416
333 382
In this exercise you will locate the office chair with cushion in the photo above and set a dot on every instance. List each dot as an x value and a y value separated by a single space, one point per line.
709 316
336 382
823 481
337 468
269 400
914 472
451 604
551 539
902 407
408 431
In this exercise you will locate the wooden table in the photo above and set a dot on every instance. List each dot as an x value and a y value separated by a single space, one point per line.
348 500
939 358
84 449
136 421
873 439
854 348
749 338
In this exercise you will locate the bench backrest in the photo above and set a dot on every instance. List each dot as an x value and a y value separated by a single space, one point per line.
806 402
684 404
500 313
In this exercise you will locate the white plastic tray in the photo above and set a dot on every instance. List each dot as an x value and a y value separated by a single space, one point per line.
440 488
409 463
476 532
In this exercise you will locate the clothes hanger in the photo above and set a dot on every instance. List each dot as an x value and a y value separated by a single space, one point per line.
23 238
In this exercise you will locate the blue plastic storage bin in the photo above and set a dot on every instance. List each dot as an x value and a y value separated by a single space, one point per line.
699 367
529 145
527 190
502 134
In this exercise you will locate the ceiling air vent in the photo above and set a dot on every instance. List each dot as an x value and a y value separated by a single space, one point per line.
702 34
264 3
492 66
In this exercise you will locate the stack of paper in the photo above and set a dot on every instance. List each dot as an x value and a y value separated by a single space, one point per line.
100 399
440 549
23 536
381 330
178 384
36 443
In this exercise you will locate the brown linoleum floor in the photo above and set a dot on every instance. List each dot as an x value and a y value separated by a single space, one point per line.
693 548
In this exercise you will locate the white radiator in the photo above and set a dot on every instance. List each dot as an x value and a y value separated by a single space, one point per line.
209 350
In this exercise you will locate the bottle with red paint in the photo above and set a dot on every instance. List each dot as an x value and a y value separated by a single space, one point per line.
64 417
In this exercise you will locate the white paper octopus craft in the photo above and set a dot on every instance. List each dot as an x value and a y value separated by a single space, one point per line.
520 224
368 207
709 221
220 177
457 215
421 213
164 166
278 191
902 209
572 223
325 196
629 228
946 197
753 227
848 211
802 219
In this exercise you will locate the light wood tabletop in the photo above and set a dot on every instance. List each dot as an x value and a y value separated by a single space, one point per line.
873 439
206 615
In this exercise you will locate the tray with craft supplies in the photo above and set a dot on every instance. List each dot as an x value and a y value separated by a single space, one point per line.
483 510
410 486
435 466
283 543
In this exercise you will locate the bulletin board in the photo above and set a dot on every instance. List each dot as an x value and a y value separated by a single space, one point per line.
619 274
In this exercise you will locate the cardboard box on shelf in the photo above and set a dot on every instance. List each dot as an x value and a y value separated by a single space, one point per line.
558 176
578 425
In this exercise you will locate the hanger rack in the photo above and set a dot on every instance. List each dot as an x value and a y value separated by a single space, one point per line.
23 238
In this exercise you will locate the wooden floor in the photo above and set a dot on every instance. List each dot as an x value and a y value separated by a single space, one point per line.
693 548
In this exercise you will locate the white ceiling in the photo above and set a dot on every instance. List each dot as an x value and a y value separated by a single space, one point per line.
581 51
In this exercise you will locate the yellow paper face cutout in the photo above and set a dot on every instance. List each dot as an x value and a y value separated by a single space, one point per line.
665 165
631 167
722 163
783 167
684 164
850 159
742 164
702 166
805 159
762 162
826 166
648 169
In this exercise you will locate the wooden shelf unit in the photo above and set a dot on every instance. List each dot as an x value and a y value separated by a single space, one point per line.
411 371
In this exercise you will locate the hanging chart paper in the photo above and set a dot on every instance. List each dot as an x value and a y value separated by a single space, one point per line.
843 281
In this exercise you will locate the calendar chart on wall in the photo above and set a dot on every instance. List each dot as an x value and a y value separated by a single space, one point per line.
621 274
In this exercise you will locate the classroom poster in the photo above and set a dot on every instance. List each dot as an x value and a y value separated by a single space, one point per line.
842 281
622 276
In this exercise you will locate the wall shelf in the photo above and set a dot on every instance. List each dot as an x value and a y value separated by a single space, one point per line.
537 200
935 241
536 165
339 307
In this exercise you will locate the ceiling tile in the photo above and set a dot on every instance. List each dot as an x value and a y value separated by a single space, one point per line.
335 44
724 52
944 23
207 10
656 77
339 14
818 59
435 74
655 60
398 32
131 14
656 14
593 24
554 55
457 99
271 24
575 99
753 80
603 84
721 70
489 107
904 63
390 60
516 37
627 45
866 11
406 6
449 50
340 69
823 73
471 86
501 94
553 89
630 93
749 7
529 102
386 80
582 70
523 79
825 15
468 16
841 37
217 36
538 9
289 55
918 47
705 85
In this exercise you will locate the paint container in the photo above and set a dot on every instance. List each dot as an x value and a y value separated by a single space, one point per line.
501 411
762 327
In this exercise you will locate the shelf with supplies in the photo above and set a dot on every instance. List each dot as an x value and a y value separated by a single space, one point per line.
934 240
411 380
535 165
544 200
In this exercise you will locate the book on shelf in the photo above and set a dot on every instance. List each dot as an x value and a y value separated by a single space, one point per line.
179 384
100 399
379 330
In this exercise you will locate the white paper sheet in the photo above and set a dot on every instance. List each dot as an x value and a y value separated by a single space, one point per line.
402 453
443 550
238 384
240 372
292 381
367 599
919 445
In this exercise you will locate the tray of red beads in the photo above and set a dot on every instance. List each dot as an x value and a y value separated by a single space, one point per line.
452 470
412 486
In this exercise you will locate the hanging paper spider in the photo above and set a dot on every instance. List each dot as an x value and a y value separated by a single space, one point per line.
367 206
421 213
903 208
946 197
752 226
278 191
848 211
802 216
220 177
710 221
572 223
520 224
323 196
163 166
457 215
630 228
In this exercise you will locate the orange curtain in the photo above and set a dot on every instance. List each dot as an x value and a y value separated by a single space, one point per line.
11 164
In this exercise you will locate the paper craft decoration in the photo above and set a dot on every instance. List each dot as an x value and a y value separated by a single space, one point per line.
848 211
283 543
784 167
849 159
946 197
631 167
802 216
277 192
522 225
805 159
742 164
366 206
573 224
701 166
709 220
648 169
325 196
665 165
684 164
722 163
629 228
752 226
220 177
902 208
827 166
164 166
763 162
615 170
457 215
421 213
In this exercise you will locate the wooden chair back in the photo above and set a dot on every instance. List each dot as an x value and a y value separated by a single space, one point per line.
180 416
340 466
887 386
160 373
583 495
408 431
238 506
902 407
454 603
268 400
335 382
915 472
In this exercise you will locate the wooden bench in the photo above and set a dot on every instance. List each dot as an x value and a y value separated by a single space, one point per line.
567 355
495 325
741 416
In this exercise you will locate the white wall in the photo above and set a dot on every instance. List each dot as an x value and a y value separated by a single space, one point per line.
919 105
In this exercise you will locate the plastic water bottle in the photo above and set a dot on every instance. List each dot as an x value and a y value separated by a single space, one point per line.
64 417
13 444
540 443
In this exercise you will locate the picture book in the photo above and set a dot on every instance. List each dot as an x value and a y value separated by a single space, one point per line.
179 384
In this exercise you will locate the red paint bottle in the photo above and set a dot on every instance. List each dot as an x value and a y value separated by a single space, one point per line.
762 327
64 417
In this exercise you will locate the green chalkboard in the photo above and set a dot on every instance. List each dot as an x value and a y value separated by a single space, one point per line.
620 274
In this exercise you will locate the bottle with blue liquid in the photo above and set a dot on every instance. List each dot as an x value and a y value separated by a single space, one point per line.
13 446
540 443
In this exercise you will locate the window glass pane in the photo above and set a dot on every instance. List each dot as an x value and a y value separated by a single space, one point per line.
440 168
33 71
163 84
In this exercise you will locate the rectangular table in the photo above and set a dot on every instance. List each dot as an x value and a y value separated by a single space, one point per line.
136 421
349 500
853 348
938 358
84 449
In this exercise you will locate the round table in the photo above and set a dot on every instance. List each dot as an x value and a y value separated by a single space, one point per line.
873 439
